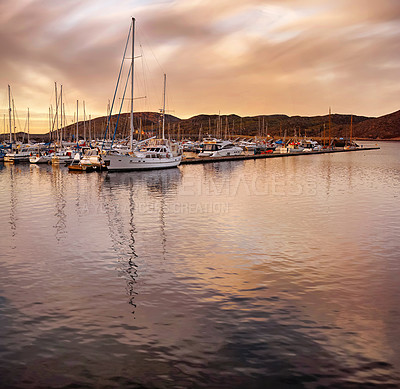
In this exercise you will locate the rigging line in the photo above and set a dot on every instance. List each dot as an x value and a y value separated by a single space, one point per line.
120 108
151 50
146 64
116 88
144 78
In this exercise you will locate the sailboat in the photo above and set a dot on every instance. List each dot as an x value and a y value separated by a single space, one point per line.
156 153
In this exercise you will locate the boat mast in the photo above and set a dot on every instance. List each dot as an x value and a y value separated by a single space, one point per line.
77 133
163 111
55 85
84 121
28 125
329 145
351 128
14 126
61 118
132 80
9 110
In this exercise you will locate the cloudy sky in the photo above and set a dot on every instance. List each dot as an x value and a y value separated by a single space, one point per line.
297 57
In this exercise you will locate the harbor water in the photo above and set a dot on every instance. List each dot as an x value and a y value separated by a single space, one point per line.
278 273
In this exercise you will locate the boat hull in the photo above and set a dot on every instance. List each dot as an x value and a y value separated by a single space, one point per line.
40 159
128 163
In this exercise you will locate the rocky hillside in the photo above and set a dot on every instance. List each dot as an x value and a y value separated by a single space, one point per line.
384 127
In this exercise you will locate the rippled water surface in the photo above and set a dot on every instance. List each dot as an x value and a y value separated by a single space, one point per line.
280 273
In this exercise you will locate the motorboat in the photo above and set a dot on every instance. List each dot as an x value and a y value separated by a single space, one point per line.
220 149
40 158
77 166
310 145
92 157
62 157
19 155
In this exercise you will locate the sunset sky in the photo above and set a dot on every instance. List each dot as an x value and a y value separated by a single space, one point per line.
295 57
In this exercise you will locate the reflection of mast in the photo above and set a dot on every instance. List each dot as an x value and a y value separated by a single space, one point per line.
128 267
162 219
131 269
13 203
60 203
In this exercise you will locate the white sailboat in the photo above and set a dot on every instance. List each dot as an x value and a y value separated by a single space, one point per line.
158 153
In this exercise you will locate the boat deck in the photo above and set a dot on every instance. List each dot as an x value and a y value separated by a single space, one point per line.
199 160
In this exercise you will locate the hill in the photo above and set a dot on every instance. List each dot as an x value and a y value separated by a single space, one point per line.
383 127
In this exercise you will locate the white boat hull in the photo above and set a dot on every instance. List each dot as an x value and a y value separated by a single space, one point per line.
128 162
40 159
222 152
17 157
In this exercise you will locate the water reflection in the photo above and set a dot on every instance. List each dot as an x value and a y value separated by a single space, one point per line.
156 181
123 242
58 186
274 292
13 202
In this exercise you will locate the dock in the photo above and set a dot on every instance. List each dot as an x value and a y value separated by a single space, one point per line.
200 160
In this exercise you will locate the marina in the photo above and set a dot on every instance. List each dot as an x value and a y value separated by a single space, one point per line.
214 274
194 160
160 235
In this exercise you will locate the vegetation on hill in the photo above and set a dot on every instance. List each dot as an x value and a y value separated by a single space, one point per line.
384 127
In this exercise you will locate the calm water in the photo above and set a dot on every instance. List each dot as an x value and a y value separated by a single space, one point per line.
281 273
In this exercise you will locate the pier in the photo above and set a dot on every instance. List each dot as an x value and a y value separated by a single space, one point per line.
199 160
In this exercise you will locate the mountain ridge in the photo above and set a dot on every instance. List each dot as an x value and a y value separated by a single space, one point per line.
277 125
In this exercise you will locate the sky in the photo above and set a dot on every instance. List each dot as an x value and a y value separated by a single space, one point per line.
294 57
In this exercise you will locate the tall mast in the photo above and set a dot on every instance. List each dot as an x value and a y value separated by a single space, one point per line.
64 121
351 128
49 125
132 80
84 121
61 117
14 126
28 125
90 130
77 133
163 111
55 85
9 110
329 144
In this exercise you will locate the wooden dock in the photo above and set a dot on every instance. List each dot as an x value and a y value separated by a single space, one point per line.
198 160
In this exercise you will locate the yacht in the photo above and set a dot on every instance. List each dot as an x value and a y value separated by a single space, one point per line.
62 157
247 145
155 154
223 148
20 155
40 158
310 145
92 157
